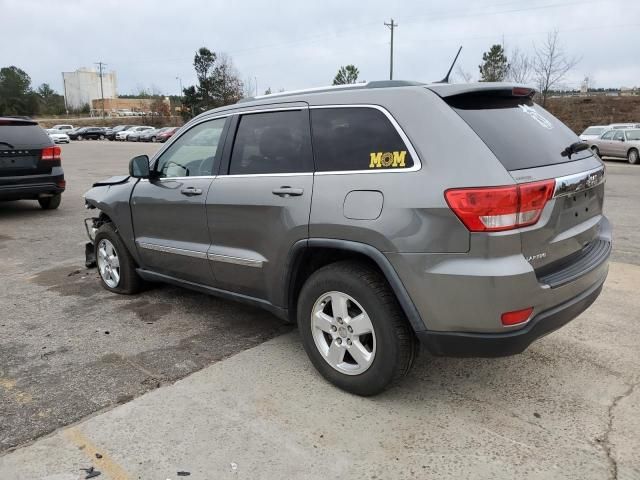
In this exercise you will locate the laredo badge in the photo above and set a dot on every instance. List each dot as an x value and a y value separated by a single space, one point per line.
387 159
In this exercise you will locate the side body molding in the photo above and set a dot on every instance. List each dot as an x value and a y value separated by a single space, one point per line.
371 252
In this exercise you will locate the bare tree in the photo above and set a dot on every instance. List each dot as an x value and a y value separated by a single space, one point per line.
463 75
551 64
249 87
520 67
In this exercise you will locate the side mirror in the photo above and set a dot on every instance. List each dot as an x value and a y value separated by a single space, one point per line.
139 167
622 139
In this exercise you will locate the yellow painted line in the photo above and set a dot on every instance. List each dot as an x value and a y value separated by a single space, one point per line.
106 464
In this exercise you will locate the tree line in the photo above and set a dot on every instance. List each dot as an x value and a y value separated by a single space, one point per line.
17 96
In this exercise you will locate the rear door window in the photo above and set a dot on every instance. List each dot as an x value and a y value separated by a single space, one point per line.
272 142
356 138
619 135
519 132
633 135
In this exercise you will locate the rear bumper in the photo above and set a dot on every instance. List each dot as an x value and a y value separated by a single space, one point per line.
461 297
32 186
460 344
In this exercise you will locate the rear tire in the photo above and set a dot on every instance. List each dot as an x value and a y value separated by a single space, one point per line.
80 137
101 137
116 267
369 349
633 157
50 203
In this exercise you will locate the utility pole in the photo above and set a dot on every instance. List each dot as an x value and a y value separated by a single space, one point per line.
391 26
100 65
180 84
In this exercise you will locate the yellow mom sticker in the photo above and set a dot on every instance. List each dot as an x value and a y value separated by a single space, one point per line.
388 159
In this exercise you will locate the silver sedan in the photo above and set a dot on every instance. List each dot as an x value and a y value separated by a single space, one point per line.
618 144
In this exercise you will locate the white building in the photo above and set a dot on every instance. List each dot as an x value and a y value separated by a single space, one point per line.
83 85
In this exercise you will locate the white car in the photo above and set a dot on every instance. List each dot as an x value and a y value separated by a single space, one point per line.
618 126
64 127
58 136
122 135
593 132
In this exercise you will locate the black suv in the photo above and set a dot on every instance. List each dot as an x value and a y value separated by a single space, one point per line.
94 133
30 164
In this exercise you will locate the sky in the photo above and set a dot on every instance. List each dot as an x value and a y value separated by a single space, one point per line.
301 44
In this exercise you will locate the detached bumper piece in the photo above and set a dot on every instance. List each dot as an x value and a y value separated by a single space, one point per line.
462 344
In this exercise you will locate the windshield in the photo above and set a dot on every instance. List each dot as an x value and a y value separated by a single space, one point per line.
593 131
519 132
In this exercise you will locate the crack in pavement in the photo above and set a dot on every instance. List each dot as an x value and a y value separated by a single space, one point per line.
605 443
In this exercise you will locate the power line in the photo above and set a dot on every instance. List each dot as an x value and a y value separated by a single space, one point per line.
391 26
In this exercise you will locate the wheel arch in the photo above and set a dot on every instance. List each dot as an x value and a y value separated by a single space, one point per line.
307 256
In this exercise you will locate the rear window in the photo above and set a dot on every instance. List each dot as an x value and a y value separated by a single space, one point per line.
519 132
593 131
22 135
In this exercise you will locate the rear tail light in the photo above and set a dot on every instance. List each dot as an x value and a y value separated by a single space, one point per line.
61 183
495 209
514 318
51 153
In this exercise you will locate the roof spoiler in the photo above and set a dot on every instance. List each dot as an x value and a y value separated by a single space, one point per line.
489 88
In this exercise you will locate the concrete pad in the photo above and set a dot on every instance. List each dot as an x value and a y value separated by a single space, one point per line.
565 409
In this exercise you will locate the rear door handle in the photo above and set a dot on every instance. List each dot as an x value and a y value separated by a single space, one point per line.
288 192
191 191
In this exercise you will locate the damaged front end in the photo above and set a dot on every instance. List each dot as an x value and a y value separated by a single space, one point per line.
91 225
99 197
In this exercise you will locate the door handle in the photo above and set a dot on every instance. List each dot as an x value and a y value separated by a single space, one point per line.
288 191
191 191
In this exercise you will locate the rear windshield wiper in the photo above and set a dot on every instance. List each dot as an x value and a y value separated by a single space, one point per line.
7 144
574 148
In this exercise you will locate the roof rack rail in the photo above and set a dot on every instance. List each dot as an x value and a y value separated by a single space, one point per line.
334 88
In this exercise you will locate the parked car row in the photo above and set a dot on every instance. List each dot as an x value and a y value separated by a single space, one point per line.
132 133
136 133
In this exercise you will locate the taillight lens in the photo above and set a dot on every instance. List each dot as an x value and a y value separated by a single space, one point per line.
51 153
494 209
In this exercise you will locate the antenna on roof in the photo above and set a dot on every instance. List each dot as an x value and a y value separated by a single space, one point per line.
446 79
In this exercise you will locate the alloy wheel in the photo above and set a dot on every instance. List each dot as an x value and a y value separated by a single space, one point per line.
343 333
108 263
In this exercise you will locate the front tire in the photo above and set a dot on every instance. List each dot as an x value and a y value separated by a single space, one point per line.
115 265
50 203
353 328
633 157
79 137
101 137
596 151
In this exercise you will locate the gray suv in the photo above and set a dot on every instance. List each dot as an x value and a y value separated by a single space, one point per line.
380 217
